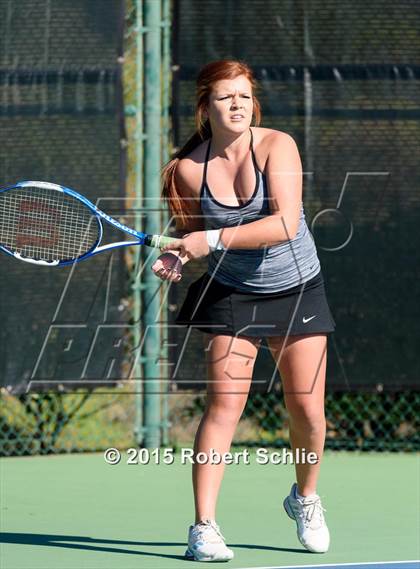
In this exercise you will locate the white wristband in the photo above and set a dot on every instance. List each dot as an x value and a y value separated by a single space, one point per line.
213 239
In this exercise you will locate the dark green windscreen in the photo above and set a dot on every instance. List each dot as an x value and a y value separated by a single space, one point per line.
343 79
59 94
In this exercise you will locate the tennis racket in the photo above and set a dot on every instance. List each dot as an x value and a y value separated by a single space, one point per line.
51 225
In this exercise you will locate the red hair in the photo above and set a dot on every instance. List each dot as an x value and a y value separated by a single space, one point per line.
208 76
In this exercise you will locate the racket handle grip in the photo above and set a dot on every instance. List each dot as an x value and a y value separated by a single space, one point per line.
158 241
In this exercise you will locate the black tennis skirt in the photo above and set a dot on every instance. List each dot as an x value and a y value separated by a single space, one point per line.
213 307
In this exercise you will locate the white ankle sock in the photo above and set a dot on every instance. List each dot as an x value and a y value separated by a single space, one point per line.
303 497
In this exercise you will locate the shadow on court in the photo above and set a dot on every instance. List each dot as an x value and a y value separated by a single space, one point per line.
52 540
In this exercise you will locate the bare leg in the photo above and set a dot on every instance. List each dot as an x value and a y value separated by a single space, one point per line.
302 361
230 362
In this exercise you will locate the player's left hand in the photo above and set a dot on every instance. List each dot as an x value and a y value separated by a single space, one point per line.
193 245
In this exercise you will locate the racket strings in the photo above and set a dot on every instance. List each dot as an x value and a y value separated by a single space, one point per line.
44 224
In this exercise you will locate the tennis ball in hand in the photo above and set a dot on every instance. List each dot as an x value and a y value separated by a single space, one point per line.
168 261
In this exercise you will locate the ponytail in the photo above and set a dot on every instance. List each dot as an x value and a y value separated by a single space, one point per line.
178 206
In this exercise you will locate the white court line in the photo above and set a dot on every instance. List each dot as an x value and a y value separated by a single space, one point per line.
361 564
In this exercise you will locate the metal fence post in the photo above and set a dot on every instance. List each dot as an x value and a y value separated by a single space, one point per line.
152 163
166 79
138 191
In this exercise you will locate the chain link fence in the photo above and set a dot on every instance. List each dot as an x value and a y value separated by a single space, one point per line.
345 84
63 120
355 421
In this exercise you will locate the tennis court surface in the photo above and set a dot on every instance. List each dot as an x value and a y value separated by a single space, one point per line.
75 511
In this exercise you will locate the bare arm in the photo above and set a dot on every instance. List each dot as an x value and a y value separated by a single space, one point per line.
164 267
284 179
188 189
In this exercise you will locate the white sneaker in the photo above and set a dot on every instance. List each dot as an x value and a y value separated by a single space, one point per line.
308 513
206 543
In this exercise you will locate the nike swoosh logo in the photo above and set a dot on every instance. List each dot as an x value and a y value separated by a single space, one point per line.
305 320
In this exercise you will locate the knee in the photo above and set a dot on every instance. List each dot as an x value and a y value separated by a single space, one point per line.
306 418
225 411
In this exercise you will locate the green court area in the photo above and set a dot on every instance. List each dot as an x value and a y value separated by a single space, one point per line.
77 511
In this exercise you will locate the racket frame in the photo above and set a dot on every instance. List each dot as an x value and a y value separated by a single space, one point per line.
141 238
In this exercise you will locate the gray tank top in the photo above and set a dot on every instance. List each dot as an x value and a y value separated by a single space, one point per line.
265 270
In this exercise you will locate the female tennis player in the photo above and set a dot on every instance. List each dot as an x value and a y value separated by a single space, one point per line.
237 193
